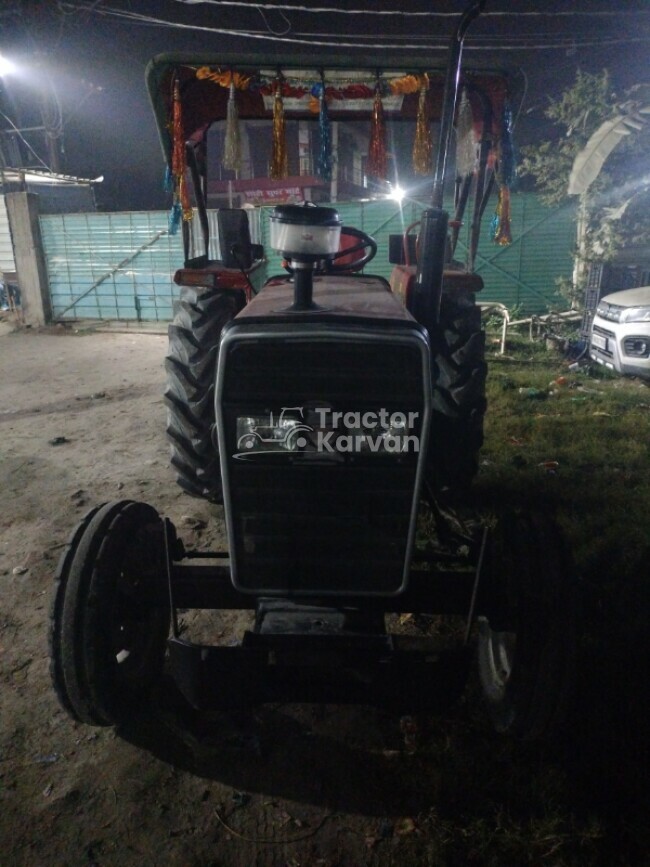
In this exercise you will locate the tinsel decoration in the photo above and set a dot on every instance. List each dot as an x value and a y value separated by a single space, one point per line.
465 138
232 143
501 220
505 174
422 144
377 166
279 167
181 206
324 163
175 217
168 183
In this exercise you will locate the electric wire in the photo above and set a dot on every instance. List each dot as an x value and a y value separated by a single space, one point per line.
413 14
268 26
471 45
24 140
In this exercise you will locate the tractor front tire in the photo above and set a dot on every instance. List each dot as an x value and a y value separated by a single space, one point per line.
191 366
110 615
459 374
527 645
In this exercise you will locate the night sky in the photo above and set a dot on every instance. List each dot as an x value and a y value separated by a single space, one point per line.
93 63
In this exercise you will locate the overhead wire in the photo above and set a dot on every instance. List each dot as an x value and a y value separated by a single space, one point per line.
268 26
471 45
411 13
24 140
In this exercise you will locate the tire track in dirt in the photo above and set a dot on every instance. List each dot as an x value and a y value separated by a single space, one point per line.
90 401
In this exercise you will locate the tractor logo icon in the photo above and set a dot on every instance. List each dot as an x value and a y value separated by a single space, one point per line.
287 433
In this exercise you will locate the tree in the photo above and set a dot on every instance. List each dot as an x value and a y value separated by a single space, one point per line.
613 212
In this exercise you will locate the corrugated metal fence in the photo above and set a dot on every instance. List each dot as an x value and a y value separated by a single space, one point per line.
120 265
111 266
522 275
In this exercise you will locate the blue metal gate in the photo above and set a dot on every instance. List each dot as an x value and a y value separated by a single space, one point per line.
111 266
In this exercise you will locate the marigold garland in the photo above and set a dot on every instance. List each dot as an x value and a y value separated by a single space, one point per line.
225 78
408 84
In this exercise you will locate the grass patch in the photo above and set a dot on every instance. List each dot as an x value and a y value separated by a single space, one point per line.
575 443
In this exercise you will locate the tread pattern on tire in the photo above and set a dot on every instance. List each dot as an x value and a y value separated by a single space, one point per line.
81 666
56 611
191 367
538 577
459 373
113 692
71 590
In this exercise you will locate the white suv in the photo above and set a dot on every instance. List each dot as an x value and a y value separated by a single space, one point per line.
620 332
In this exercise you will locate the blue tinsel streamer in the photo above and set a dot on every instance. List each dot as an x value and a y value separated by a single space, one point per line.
168 183
506 170
324 164
175 216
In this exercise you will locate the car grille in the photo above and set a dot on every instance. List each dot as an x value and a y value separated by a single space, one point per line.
605 334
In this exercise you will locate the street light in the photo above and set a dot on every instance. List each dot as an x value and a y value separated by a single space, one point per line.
6 66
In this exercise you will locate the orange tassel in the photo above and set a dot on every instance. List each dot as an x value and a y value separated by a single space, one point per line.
279 167
179 166
377 166
422 145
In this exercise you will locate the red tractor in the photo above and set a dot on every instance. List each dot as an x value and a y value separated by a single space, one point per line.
330 411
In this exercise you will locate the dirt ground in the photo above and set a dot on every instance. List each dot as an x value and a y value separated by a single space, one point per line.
286 787
328 778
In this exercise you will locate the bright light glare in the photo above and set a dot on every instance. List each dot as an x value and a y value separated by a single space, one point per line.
6 66
397 194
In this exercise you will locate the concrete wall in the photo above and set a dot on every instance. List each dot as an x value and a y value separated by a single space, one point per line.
22 209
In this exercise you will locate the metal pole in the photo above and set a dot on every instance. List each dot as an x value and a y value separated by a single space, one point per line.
452 81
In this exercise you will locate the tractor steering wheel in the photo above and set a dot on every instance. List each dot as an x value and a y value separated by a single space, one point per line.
327 266
365 242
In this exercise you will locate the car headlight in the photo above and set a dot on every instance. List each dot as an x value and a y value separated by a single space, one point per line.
611 312
635 314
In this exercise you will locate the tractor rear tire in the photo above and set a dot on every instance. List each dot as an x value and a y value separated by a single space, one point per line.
459 374
191 366
107 634
527 645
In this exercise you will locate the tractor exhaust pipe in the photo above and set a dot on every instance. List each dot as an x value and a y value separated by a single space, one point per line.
450 97
433 232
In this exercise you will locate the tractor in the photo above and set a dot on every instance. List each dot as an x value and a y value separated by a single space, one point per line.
336 415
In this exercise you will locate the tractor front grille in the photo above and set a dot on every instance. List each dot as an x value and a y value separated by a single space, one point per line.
315 504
